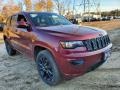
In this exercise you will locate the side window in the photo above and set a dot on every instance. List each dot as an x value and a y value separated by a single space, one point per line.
21 18
13 20
8 22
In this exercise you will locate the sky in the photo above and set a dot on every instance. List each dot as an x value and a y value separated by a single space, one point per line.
105 5
110 4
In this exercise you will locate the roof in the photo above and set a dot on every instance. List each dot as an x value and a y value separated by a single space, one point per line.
37 12
33 12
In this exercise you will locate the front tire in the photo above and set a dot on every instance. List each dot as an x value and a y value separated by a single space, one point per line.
47 68
9 49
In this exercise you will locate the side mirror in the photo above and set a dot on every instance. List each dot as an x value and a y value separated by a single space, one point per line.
29 28
74 21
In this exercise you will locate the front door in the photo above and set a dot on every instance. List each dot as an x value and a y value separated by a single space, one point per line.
23 38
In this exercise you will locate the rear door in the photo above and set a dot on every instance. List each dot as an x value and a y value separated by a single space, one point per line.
13 34
10 30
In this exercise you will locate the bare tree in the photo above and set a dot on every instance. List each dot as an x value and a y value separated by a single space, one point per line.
62 6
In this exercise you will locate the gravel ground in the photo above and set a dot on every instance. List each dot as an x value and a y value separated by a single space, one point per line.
19 73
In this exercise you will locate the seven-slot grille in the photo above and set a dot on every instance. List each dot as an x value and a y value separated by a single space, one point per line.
97 43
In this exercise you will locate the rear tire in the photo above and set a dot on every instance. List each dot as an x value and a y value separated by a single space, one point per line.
10 50
47 68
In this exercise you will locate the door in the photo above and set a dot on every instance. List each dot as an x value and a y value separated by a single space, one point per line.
12 32
24 37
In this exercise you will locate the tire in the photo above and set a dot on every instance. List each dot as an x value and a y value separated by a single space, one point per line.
47 68
9 49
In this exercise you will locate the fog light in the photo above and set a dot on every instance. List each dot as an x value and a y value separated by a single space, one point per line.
77 62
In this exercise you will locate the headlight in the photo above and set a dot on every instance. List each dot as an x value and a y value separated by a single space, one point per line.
72 44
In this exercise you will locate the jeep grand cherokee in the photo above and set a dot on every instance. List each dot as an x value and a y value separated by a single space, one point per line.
60 49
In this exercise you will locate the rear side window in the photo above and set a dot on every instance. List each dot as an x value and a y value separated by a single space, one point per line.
13 20
8 23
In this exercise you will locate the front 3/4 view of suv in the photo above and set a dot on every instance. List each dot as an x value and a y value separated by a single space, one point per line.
60 49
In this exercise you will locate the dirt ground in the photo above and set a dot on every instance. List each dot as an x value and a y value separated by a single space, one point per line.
1 35
19 73
106 25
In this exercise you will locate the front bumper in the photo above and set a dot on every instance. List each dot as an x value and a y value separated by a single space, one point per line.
89 61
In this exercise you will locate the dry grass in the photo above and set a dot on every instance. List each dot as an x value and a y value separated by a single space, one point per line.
106 25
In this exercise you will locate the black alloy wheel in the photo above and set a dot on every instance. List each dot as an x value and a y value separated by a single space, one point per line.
47 68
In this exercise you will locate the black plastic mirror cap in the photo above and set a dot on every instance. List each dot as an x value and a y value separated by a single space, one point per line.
29 28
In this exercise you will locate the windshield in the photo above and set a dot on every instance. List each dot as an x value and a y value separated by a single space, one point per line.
48 19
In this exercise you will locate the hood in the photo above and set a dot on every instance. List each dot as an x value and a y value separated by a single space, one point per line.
71 30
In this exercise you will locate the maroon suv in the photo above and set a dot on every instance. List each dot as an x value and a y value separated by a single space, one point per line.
61 49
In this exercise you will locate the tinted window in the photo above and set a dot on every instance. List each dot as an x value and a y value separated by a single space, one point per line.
45 19
20 17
